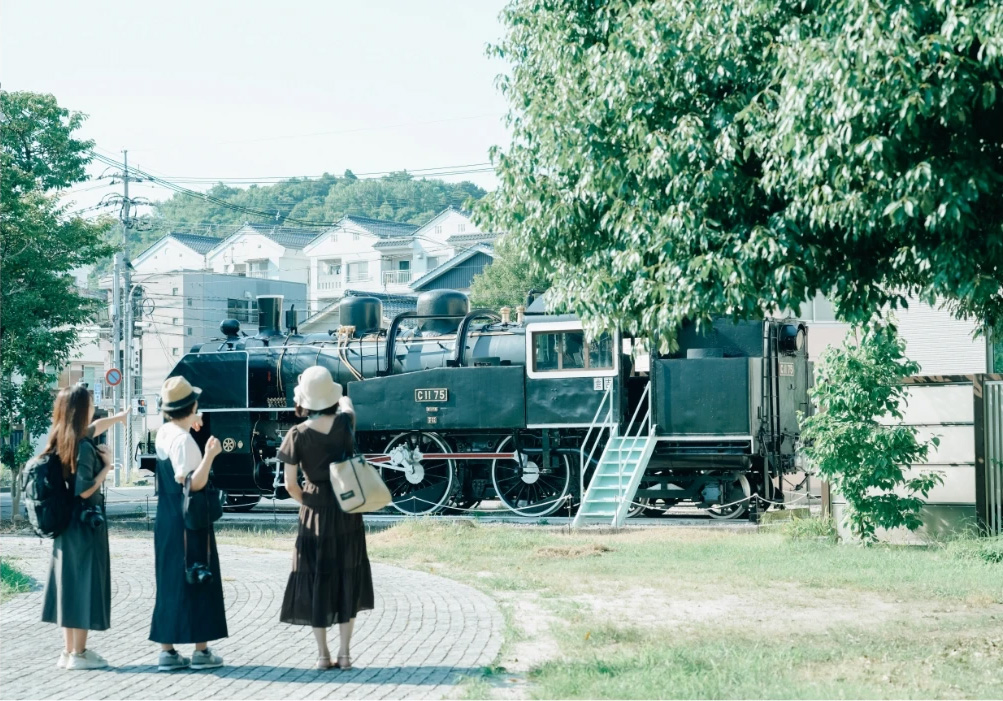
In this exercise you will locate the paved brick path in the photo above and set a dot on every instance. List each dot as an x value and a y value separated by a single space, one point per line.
424 634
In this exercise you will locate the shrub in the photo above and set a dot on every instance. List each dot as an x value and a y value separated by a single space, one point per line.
856 387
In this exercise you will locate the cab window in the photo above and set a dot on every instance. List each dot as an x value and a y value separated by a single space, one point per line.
555 351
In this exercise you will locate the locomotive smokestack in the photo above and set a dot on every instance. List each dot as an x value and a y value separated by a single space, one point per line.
506 315
269 315
520 315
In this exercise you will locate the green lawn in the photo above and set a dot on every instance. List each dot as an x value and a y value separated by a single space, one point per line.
12 580
679 613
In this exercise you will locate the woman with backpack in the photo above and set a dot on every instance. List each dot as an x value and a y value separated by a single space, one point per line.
189 603
331 579
78 590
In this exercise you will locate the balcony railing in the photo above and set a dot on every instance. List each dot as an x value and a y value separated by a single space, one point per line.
360 278
396 277
329 284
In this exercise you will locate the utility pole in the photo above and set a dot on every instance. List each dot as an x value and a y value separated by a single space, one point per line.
129 331
116 331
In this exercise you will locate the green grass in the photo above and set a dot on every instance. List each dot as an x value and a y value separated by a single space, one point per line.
784 612
12 580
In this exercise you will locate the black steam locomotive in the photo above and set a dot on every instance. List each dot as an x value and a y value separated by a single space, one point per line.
457 406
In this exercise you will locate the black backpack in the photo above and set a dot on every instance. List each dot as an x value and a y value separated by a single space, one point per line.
47 497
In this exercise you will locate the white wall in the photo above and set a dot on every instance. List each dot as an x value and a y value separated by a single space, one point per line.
430 240
234 254
351 245
168 255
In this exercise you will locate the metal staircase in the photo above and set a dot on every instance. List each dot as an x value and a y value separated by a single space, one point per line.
622 464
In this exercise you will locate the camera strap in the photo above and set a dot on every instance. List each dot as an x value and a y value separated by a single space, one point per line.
208 553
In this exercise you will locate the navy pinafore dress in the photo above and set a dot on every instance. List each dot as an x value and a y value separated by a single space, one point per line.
183 613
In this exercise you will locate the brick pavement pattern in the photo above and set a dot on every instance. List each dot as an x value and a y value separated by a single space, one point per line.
425 633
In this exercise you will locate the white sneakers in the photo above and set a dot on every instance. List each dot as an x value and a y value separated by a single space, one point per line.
88 659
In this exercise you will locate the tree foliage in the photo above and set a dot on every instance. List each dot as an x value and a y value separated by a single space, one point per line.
678 159
508 279
39 246
852 442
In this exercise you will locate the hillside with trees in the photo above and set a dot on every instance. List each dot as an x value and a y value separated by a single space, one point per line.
396 197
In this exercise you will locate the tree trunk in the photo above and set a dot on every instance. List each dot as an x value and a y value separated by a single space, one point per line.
15 498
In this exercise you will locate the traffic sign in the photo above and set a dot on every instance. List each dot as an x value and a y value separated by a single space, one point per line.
113 376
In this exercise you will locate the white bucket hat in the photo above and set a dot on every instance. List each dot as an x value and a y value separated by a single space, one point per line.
316 389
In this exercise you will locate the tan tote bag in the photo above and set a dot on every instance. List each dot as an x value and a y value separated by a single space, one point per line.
357 486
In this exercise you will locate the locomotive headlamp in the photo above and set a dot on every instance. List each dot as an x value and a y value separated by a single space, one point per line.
791 338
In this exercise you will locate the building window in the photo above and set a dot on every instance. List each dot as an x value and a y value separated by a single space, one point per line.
460 228
438 228
89 376
174 291
334 238
568 350
242 310
355 236
403 265
433 262
177 321
174 352
258 268
189 301
358 272
190 331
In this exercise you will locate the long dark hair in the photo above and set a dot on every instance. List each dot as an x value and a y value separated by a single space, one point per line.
69 424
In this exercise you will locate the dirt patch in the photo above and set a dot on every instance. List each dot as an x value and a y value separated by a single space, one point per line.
792 607
534 643
592 549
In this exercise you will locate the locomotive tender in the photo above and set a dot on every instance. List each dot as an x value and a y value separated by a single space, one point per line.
457 406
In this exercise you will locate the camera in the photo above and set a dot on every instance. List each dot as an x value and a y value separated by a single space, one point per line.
198 573
92 516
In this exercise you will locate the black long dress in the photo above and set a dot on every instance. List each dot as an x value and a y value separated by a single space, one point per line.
78 590
183 613
331 580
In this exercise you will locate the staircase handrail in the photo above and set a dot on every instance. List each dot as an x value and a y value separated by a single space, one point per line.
607 423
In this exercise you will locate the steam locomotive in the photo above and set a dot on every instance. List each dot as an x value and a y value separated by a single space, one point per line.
457 406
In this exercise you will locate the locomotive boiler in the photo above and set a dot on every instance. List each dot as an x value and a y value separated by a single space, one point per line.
457 406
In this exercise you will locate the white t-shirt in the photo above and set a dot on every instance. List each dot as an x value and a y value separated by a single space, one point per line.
179 446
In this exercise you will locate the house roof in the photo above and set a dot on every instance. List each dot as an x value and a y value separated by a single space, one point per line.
459 240
196 242
452 263
288 236
382 227
396 242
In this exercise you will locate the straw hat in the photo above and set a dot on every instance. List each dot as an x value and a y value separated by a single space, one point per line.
177 393
316 389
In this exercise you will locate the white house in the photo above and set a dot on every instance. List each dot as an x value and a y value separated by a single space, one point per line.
262 252
371 255
176 252
358 253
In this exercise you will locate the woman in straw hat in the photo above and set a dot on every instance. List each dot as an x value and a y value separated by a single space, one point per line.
331 579
184 612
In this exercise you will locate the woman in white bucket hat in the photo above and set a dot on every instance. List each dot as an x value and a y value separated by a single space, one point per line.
331 579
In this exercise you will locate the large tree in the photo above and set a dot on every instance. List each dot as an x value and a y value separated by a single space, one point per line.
508 279
681 159
39 246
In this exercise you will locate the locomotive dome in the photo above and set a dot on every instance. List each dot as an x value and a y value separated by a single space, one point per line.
442 303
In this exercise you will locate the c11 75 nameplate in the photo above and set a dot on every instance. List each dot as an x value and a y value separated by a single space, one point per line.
431 395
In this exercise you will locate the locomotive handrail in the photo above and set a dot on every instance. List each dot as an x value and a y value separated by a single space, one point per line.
461 333
395 327
607 423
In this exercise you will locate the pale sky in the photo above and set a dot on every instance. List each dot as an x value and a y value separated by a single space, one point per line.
220 88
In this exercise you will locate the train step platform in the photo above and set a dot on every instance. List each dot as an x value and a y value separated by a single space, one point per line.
614 484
